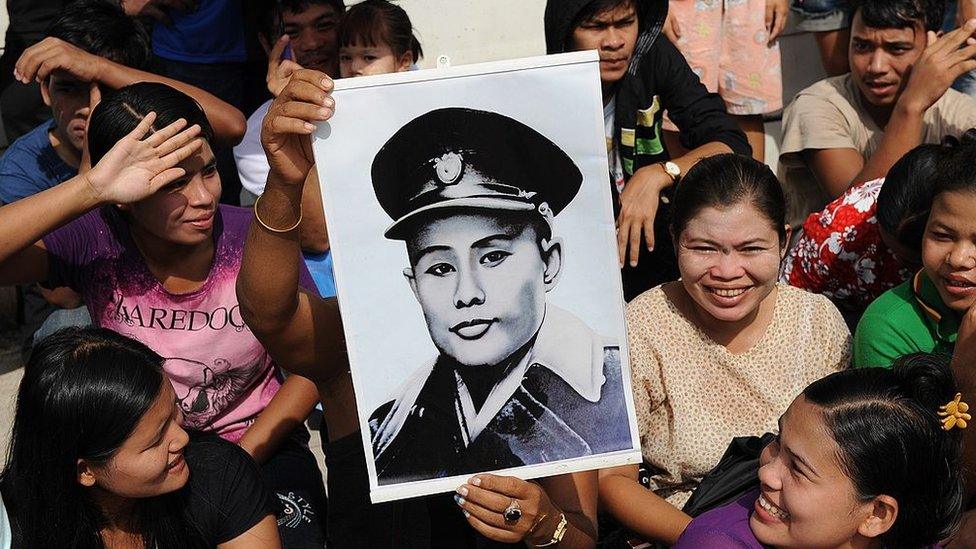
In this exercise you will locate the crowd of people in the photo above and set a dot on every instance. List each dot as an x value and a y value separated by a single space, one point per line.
801 344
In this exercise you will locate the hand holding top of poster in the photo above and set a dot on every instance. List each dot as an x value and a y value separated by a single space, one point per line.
307 98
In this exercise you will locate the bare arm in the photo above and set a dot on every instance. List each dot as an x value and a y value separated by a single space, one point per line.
132 170
639 200
301 331
41 59
286 411
263 535
638 508
314 234
944 59
575 495
835 169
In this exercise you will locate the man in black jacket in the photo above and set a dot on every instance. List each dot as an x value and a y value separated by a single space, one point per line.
643 75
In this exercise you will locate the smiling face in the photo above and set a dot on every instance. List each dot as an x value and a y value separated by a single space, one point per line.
881 58
362 60
806 499
150 462
314 38
481 280
70 102
949 248
729 261
182 213
613 33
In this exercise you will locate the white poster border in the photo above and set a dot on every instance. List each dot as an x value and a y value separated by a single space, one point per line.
378 493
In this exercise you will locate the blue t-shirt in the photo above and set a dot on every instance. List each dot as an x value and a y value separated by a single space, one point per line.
31 165
320 267
213 33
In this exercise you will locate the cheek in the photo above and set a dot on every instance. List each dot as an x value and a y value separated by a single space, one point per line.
763 269
933 255
692 266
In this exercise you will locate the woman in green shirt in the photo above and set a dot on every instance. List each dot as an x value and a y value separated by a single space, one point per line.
925 312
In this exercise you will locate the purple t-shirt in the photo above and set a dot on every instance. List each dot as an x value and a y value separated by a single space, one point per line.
726 527
222 375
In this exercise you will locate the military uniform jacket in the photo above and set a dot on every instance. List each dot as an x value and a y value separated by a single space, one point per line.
569 403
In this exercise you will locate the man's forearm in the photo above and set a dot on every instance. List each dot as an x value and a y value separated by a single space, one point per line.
692 157
267 285
314 234
965 10
902 134
228 123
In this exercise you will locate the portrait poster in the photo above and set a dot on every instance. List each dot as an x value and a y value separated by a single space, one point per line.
471 225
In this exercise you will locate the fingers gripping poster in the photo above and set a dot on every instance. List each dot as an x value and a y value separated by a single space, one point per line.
470 218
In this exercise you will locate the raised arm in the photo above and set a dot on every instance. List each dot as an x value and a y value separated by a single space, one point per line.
944 59
301 331
132 170
40 60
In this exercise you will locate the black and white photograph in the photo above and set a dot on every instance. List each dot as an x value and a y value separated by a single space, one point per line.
477 278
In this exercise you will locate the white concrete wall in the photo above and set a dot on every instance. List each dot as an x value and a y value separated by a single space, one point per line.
472 31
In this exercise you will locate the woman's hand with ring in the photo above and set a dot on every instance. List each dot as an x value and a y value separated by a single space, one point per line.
489 504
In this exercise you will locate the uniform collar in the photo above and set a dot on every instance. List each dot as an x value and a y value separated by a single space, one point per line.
944 320
571 350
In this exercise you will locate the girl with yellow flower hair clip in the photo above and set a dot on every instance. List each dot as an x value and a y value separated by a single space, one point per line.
864 458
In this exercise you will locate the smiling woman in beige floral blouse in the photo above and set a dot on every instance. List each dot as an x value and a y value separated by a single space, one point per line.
721 352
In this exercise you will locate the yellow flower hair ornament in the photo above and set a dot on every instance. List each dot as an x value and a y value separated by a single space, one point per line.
954 414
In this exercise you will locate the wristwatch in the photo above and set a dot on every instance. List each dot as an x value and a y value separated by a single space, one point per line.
557 536
673 171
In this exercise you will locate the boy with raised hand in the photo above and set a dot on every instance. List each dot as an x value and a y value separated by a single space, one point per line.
852 128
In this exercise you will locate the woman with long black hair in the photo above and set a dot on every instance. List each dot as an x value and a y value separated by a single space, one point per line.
98 457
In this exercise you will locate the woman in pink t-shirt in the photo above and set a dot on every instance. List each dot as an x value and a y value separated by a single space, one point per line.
142 238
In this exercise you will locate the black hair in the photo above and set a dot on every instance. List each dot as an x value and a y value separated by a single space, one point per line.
103 29
597 7
120 111
272 20
900 14
956 167
890 441
83 392
723 181
374 22
906 195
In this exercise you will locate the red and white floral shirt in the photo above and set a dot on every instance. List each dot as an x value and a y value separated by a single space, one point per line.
841 254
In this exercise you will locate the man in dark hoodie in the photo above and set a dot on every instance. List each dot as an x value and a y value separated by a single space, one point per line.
643 75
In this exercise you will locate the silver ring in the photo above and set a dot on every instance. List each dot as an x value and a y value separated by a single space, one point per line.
512 513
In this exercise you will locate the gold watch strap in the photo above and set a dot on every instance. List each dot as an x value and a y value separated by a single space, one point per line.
557 536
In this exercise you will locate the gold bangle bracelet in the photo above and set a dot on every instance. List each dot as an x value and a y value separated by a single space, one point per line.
270 228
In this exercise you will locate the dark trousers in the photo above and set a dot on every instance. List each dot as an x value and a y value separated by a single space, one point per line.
294 476
433 522
227 82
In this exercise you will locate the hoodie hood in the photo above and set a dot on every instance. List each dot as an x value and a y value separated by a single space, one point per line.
560 15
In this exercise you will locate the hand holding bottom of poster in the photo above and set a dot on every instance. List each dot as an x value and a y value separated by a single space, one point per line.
519 383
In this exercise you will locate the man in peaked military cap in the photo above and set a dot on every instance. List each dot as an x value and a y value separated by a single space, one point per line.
517 381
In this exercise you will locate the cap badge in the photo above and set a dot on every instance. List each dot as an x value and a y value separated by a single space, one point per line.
449 167
546 211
